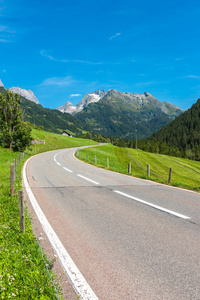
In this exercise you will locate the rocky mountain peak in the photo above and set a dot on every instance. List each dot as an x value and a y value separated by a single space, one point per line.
68 107
86 100
1 84
28 94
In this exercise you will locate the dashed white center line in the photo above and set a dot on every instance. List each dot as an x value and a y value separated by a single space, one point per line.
58 163
68 170
154 206
87 179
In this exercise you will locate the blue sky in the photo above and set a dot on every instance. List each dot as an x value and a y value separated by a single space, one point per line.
63 49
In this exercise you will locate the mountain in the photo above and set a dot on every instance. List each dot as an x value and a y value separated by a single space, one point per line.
123 115
2 88
1 84
50 119
28 94
182 135
87 99
67 108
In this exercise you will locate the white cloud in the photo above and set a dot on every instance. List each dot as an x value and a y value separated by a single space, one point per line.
5 34
190 76
58 81
75 95
114 36
4 41
45 54
88 62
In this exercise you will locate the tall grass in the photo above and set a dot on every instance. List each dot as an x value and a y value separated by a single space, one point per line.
185 173
23 272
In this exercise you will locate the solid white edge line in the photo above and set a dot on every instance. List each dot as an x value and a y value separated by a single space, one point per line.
87 179
68 170
77 279
136 178
154 206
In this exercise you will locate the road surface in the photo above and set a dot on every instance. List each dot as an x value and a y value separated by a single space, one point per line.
130 238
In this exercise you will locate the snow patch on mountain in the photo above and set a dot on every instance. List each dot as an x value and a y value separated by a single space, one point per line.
86 100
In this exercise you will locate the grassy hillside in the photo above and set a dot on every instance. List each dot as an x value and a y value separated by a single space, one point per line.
185 173
23 272
56 141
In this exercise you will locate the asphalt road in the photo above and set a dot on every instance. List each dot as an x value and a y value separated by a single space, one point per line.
130 238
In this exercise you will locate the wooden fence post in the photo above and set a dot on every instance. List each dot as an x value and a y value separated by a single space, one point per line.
107 163
12 179
129 168
148 170
15 165
170 175
21 211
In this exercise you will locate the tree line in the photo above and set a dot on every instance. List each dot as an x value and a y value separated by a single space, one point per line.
15 134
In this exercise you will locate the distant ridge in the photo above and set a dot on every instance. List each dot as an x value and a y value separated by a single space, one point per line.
121 115
87 99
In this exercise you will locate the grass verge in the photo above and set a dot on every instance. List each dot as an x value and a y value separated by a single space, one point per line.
185 173
23 272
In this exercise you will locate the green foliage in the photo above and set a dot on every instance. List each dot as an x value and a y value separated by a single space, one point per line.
185 173
14 133
50 119
23 273
179 138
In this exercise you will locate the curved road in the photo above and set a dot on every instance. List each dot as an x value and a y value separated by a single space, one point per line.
130 238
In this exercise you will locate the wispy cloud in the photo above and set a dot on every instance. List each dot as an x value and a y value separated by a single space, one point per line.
114 36
45 54
87 62
58 81
143 84
190 76
4 41
5 34
75 95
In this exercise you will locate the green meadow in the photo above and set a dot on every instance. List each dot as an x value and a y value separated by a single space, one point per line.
185 173
24 274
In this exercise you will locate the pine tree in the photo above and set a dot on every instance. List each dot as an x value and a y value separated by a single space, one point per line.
14 133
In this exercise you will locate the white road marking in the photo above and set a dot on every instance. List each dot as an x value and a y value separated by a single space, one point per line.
77 279
154 206
88 179
58 163
68 170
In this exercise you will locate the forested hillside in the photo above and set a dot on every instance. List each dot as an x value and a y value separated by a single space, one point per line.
180 137
121 115
50 119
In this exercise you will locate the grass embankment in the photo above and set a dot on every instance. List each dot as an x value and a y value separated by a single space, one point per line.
55 141
23 273
185 173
